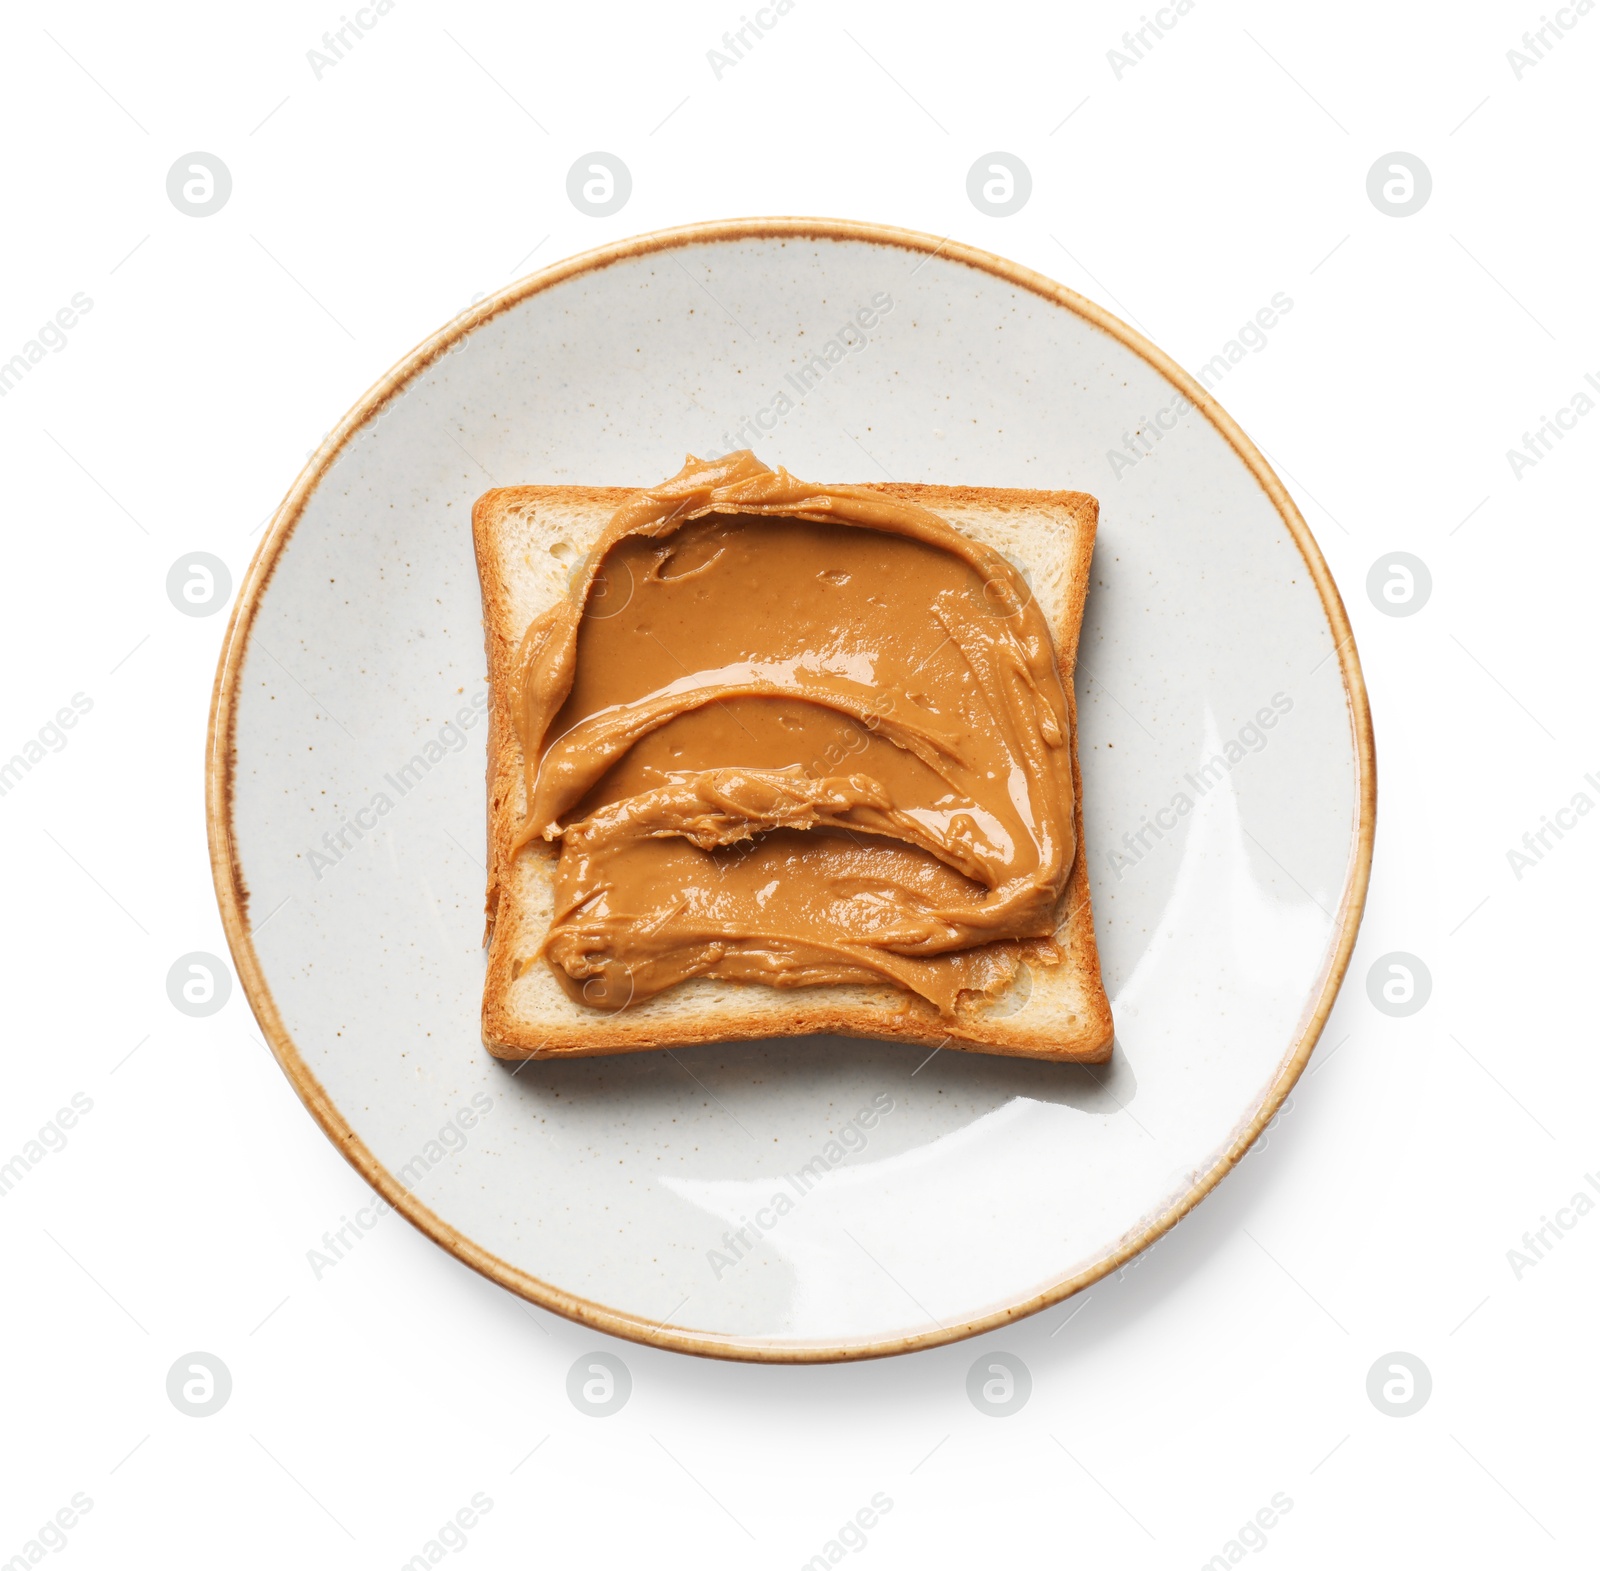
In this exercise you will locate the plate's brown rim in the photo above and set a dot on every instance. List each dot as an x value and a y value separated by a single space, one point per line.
233 897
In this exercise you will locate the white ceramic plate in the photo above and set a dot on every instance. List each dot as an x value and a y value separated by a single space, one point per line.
1228 796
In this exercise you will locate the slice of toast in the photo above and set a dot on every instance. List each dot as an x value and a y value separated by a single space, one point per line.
531 541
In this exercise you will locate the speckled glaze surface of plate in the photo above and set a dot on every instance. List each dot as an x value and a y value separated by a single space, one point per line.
815 1198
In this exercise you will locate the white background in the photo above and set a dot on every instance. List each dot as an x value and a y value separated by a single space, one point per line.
371 205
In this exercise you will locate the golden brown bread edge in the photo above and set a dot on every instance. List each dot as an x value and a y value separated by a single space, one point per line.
1083 1037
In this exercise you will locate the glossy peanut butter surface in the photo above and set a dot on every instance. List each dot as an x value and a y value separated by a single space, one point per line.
793 734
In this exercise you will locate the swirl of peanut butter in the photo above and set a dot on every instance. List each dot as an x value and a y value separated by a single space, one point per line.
816 735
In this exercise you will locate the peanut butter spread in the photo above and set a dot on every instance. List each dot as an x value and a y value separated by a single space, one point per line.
794 734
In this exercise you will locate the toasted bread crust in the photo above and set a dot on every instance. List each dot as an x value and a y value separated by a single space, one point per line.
1080 1034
